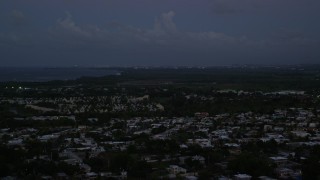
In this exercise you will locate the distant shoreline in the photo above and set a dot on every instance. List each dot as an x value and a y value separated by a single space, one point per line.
45 74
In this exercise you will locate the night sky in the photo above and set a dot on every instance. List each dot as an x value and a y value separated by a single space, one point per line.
158 32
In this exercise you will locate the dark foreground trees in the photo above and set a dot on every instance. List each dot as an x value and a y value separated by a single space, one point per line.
253 164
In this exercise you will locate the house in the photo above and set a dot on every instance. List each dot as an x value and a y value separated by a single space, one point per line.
300 134
267 128
15 142
265 178
174 169
85 167
242 177
279 160
91 175
204 143
201 159
61 176
190 177
105 174
287 173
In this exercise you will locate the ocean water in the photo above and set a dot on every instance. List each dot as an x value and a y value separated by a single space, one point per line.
50 74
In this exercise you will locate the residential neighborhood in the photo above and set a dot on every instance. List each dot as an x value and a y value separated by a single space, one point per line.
76 137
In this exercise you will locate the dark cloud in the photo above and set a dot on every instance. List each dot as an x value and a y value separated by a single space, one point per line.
294 37
165 23
164 32
224 7
138 32
17 18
